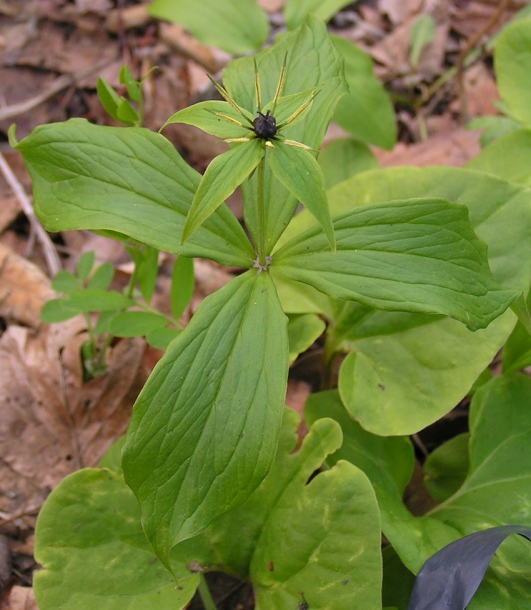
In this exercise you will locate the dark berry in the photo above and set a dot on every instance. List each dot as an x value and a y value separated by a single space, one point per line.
265 125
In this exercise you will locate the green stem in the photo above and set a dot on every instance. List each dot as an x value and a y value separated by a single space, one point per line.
260 217
204 594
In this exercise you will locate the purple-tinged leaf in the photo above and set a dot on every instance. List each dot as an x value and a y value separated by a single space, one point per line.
449 579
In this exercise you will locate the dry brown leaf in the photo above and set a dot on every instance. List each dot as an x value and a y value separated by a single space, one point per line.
51 423
23 288
453 148
20 598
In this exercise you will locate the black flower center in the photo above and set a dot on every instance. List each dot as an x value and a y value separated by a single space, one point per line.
265 125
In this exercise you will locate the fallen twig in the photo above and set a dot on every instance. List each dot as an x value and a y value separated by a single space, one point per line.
50 253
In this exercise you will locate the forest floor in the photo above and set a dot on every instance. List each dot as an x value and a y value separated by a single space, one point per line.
51 54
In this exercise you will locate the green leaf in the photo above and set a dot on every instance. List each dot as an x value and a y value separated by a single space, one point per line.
102 277
387 461
134 89
90 543
300 173
223 175
303 330
182 285
209 116
94 299
512 62
424 383
84 265
517 351
160 338
299 534
55 311
108 97
296 11
446 467
136 323
508 157
126 113
288 105
343 158
497 491
131 181
312 61
366 112
493 127
204 449
235 26
418 256
146 260
422 33
64 281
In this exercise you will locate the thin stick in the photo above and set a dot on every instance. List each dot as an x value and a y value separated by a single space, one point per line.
470 44
50 253
62 82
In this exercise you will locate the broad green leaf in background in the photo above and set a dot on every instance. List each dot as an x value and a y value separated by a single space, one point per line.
182 285
422 33
413 255
235 26
136 323
446 467
517 350
132 181
312 61
292 538
366 111
90 543
387 461
343 158
205 427
508 157
303 330
405 370
512 62
493 127
296 11
300 173
497 489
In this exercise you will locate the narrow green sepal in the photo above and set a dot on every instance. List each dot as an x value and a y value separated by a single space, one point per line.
205 116
221 178
300 173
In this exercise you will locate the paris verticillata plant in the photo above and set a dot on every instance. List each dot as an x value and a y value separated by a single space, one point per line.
208 477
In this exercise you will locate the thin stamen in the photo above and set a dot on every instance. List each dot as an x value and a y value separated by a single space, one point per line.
280 84
257 87
299 110
225 95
